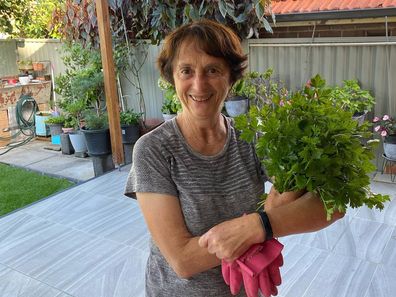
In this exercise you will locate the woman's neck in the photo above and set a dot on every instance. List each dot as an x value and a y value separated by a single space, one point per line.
207 137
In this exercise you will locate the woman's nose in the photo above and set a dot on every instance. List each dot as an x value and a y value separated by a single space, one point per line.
199 81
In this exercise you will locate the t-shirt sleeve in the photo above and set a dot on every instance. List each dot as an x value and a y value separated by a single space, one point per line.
150 171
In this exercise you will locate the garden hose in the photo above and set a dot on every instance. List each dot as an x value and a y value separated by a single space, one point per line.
25 110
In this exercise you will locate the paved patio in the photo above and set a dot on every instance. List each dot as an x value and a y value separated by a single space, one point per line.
91 241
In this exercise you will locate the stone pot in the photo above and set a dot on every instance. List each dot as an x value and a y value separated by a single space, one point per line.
390 146
236 106
78 141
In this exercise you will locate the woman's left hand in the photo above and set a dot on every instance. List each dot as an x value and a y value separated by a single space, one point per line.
230 239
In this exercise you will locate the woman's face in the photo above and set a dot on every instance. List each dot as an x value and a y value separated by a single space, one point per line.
202 82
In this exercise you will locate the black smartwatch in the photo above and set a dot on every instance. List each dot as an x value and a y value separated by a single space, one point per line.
266 224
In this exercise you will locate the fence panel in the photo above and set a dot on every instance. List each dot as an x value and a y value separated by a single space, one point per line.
8 57
372 61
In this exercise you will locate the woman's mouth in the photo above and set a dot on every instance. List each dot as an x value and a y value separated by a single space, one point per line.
200 98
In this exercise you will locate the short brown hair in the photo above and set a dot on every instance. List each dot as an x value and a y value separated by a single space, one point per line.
213 38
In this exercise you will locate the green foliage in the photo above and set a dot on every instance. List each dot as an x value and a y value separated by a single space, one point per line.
9 11
55 120
130 117
259 88
29 18
171 104
81 86
309 143
352 98
20 187
153 19
95 120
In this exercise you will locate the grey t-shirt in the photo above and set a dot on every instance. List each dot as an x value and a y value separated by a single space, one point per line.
211 189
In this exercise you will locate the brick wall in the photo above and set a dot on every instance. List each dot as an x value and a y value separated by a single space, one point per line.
347 30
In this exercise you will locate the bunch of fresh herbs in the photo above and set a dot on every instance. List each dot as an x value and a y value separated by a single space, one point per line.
308 142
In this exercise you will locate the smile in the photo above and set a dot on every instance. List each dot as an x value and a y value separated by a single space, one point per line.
199 98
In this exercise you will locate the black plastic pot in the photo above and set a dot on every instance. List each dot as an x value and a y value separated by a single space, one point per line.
129 133
98 142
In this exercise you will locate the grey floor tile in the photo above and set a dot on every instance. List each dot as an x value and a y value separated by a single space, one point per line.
364 239
81 262
124 276
301 265
110 185
389 257
383 283
386 216
342 277
71 209
15 284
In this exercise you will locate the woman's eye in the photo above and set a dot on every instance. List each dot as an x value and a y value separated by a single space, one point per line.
212 70
185 71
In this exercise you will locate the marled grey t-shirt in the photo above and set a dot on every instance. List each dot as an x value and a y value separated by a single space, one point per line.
211 189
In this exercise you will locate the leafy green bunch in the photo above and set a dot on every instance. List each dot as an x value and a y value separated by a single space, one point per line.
309 143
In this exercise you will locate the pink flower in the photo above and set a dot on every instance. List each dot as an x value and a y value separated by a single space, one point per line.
377 128
384 133
376 119
385 117
308 83
281 103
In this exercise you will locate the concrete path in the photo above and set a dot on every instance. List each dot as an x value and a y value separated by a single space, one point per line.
35 156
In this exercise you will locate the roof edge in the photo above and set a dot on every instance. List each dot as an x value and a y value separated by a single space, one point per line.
336 14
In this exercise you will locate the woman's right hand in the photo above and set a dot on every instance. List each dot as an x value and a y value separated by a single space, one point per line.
276 199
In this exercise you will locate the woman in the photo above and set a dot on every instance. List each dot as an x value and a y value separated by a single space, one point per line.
194 179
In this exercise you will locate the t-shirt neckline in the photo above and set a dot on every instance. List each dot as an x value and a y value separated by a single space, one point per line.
197 154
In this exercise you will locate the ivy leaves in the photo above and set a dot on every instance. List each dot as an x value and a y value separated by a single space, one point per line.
307 142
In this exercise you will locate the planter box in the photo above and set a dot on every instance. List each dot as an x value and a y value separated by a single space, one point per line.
42 129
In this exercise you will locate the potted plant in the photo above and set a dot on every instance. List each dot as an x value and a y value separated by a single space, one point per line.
97 133
171 104
25 65
253 88
353 99
74 110
309 143
130 125
386 127
55 124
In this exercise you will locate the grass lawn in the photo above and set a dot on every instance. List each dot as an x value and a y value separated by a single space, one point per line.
19 187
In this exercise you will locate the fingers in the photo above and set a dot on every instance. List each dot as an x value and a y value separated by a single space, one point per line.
251 285
265 283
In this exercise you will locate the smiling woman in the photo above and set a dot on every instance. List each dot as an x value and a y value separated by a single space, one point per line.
194 179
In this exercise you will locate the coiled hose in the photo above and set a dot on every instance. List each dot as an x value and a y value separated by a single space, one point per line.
25 110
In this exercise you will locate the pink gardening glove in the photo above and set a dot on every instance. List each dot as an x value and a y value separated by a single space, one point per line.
232 276
259 267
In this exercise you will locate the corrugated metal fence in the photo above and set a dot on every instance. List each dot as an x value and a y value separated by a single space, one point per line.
371 60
